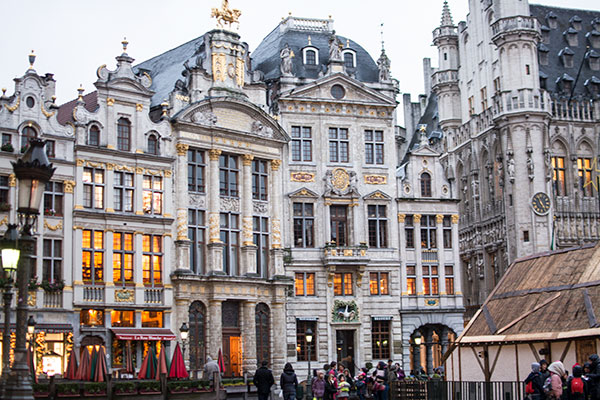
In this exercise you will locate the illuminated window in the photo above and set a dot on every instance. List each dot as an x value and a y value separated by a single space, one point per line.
449 269
305 284
152 194
430 280
302 344
152 319
584 170
152 259
379 283
380 339
411 280
342 284
91 317
93 188
122 318
123 191
428 232
559 176
92 266
122 257
123 134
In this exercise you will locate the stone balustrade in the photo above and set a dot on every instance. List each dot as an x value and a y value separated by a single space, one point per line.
515 24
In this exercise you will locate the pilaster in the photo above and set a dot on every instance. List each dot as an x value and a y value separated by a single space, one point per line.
249 336
439 219
215 331
248 265
418 255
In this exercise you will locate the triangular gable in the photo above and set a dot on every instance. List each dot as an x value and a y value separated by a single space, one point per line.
355 91
377 195
304 193
425 151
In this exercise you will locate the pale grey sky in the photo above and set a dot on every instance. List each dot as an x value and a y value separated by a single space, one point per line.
73 37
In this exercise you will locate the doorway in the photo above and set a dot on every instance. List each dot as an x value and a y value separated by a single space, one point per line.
345 348
232 354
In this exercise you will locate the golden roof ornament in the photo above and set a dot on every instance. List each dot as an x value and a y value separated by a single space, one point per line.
226 15
124 43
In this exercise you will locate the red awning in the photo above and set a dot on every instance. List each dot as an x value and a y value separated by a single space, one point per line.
143 333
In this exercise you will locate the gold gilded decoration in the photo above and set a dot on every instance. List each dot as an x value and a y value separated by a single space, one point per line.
214 154
276 233
239 71
182 149
110 166
32 298
182 225
147 75
455 218
139 170
4 220
375 179
218 67
110 210
432 302
12 180
302 177
110 101
417 218
275 164
14 107
401 218
139 107
124 296
213 228
45 112
378 195
182 98
340 179
56 227
247 159
226 15
227 46
247 229
167 173
79 162
439 218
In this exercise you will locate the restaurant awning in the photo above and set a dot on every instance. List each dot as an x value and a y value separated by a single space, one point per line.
143 333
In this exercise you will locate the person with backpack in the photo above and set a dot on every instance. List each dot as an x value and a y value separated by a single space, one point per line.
553 386
594 377
534 387
576 385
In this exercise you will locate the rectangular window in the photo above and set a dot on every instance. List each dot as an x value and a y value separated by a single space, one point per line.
430 280
197 237
230 236
123 258
449 270
152 256
228 175
152 319
152 200
339 145
302 344
377 221
497 86
409 232
484 102
260 176
373 147
301 143
471 105
92 265
304 219
93 188
261 241
52 260
53 199
91 317
584 170
4 189
380 339
305 284
342 284
50 148
196 169
6 139
411 280
379 283
559 176
428 232
122 318
123 195
339 225
447 224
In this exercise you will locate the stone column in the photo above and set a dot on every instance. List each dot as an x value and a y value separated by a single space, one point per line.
249 362
138 271
276 213
138 199
428 350
215 246
456 257
69 245
109 286
439 219
182 242
248 266
109 189
79 188
402 247
418 255
278 341
214 334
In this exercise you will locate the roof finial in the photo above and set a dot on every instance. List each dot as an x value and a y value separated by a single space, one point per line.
31 59
124 43
446 16
382 47
80 91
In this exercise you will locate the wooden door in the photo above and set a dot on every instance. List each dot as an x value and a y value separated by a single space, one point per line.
235 355
584 348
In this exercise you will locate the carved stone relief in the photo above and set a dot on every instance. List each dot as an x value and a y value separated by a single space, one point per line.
196 201
230 204
260 207
204 118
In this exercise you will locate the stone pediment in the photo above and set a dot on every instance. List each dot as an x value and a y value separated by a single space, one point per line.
233 115
354 92
304 193
378 195
425 151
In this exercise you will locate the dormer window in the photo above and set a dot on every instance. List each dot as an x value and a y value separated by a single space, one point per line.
93 136
152 146
565 82
349 58
543 54
552 20
596 24
593 86
545 34
425 185
123 134
571 37
310 55
594 60
543 81
594 38
566 55
575 22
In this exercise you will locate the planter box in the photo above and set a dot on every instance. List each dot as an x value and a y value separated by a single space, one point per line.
41 395
68 395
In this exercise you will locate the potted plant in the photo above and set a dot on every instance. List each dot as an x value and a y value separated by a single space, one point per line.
33 284
124 388
201 386
150 387
184 386
41 389
70 389
233 382
55 286
5 207
94 389
8 147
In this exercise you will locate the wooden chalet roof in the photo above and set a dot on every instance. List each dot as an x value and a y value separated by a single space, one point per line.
549 296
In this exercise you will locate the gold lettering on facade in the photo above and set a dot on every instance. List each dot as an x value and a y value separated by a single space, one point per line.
375 179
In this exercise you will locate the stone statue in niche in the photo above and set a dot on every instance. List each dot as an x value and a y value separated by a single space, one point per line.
548 164
335 48
530 168
286 56
383 63
500 171
475 188
510 168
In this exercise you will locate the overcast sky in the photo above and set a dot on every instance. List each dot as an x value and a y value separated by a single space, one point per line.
72 38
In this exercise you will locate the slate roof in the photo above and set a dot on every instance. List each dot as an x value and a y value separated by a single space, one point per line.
266 56
65 111
564 18
547 296
430 118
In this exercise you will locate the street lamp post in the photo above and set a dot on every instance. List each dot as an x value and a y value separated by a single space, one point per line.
33 171
184 332
417 339
309 338
10 260
30 335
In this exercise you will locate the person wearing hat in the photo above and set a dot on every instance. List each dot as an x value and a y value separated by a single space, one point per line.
318 386
361 385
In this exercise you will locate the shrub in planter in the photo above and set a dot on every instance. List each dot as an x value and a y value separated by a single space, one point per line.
70 389
149 387
5 207
94 388
40 389
180 386
201 386
233 382
124 388
7 147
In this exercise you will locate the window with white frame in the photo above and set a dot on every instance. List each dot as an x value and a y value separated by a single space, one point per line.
152 194
310 55
93 188
339 145
52 271
261 241
53 199
349 58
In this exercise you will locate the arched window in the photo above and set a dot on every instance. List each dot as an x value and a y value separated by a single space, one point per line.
123 134
262 332
152 145
93 138
197 335
425 185
27 133
349 59
310 57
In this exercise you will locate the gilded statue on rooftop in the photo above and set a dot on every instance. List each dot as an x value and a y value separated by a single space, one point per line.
226 15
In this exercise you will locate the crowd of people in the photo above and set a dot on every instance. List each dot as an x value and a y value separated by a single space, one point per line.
553 382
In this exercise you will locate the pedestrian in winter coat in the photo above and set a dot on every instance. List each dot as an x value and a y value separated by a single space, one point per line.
594 377
263 380
318 386
210 368
330 387
577 387
557 373
544 370
288 382
343 387
361 385
536 382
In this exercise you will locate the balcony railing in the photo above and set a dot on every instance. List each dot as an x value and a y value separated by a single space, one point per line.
347 254
53 299
445 31
574 110
153 296
515 24
429 255
93 294
444 77
521 100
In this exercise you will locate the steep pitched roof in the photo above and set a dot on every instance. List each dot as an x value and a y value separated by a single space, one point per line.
65 111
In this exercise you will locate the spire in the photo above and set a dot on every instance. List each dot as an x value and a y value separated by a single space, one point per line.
446 16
